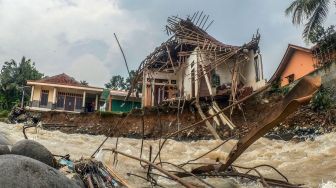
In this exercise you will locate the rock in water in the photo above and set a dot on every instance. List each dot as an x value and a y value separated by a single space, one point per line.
3 140
76 179
35 150
21 172
4 149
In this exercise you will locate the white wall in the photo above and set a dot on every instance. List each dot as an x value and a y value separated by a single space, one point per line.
249 72
223 71
183 75
155 75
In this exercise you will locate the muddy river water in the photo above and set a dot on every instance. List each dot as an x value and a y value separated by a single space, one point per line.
312 163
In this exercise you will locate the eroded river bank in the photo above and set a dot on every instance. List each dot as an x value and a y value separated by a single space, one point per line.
311 162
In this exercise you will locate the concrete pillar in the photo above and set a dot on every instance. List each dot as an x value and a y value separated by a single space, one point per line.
152 91
96 104
84 96
110 104
54 96
32 94
53 102
144 89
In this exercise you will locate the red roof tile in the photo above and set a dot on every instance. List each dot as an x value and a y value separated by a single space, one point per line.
62 79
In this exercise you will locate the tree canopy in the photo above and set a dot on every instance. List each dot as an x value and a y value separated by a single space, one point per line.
12 79
14 76
84 82
118 82
311 13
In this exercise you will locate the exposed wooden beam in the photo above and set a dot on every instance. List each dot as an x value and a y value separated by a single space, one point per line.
207 123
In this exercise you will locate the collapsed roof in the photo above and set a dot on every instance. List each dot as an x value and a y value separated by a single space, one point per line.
186 35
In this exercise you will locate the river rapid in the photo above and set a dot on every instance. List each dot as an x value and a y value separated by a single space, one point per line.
312 163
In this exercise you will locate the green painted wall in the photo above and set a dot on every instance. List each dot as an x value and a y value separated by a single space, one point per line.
128 106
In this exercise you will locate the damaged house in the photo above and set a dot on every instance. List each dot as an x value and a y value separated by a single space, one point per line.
191 64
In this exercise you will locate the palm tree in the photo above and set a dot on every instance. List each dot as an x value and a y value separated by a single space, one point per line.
84 83
314 11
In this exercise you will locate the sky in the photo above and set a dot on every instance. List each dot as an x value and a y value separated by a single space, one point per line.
76 36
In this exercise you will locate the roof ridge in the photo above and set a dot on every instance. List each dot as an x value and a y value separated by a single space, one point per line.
284 61
63 79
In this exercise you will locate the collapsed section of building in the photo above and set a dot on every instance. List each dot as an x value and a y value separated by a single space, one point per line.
191 64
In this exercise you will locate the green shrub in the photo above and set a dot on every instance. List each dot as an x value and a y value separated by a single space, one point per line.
280 90
277 89
4 114
285 90
323 99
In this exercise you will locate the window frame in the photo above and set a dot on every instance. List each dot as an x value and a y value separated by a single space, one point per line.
44 98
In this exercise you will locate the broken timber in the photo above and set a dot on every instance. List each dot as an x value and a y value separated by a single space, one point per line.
211 129
174 177
215 118
222 116
116 175
299 95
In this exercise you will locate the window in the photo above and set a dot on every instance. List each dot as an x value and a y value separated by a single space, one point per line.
192 64
192 83
161 81
290 78
60 100
44 98
256 67
215 79
79 102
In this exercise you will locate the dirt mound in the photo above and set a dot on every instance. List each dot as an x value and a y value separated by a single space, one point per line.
305 121
107 123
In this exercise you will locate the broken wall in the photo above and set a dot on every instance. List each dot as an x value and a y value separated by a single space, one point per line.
154 84
252 71
188 77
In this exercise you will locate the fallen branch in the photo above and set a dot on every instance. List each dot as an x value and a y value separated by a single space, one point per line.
174 177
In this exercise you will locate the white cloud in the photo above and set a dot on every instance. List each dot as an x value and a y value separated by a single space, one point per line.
89 68
45 31
57 34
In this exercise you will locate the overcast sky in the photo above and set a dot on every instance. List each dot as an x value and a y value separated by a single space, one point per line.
76 36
